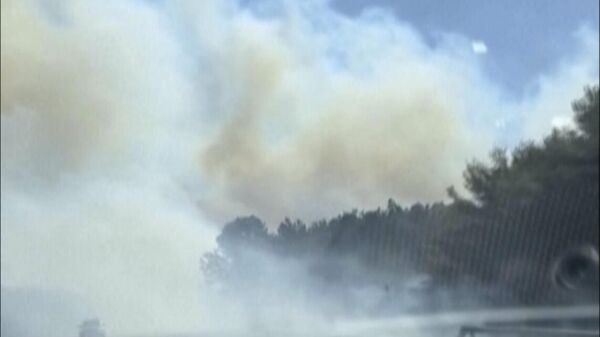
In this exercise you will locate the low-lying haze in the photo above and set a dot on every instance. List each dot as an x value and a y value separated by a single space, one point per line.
132 130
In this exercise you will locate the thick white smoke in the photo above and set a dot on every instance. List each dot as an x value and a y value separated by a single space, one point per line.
132 129
98 142
323 113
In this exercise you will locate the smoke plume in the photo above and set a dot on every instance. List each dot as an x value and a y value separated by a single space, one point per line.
132 129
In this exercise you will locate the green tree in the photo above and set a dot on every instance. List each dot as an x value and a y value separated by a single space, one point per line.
566 156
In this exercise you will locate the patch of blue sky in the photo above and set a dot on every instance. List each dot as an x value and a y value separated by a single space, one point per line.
525 38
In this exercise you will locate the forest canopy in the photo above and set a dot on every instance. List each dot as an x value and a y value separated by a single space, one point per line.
524 208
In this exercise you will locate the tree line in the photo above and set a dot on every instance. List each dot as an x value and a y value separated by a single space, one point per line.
523 209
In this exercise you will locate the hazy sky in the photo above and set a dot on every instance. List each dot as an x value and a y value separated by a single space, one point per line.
524 38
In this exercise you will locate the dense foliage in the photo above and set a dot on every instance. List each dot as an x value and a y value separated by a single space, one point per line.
525 208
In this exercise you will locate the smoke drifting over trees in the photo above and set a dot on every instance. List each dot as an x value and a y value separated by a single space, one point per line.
495 249
132 130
